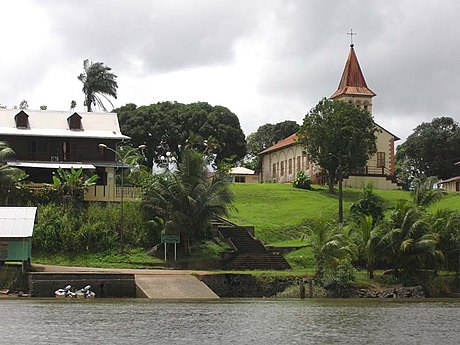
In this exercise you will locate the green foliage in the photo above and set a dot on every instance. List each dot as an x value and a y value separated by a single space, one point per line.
431 150
95 229
425 193
406 241
338 137
330 245
97 81
170 126
371 204
337 279
10 177
302 181
71 185
186 200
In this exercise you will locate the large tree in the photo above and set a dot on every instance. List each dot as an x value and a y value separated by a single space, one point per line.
170 126
339 137
431 150
98 82
10 177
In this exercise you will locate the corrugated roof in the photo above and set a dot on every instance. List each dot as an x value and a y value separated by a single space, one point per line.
52 165
54 123
17 221
352 81
290 140
456 178
241 171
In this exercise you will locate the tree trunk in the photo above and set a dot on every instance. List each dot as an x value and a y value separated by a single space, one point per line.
330 183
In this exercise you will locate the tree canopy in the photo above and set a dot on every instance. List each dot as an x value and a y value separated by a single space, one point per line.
269 134
170 126
97 81
339 137
431 150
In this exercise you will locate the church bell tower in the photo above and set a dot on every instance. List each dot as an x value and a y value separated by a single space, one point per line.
352 87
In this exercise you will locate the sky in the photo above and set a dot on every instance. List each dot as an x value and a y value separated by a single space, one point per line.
266 60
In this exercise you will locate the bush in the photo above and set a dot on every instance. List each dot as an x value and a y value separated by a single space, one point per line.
93 229
302 181
371 205
336 280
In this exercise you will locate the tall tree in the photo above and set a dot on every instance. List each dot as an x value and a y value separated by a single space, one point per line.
170 126
10 177
431 150
339 137
97 81
185 199
269 134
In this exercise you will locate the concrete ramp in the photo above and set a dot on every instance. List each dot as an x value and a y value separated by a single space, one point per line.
177 286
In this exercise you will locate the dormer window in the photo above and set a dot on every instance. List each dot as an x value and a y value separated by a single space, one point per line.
22 120
74 122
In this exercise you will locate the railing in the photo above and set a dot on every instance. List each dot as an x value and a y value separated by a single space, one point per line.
128 192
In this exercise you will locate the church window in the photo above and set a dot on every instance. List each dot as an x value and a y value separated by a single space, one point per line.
290 166
298 163
380 159
274 169
282 168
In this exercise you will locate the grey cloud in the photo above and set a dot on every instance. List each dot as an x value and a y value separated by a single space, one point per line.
161 35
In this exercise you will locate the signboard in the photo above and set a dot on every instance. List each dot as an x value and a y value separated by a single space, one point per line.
170 238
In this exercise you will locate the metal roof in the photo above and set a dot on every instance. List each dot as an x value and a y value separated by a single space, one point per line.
52 165
50 123
352 81
17 221
241 171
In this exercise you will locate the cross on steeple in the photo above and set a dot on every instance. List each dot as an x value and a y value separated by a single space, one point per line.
351 33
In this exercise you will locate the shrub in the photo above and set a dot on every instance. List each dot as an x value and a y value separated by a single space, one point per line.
371 205
302 181
336 280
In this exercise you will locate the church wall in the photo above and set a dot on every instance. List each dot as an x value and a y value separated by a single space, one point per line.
281 166
385 145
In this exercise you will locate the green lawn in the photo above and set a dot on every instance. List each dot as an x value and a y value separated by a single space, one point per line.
277 210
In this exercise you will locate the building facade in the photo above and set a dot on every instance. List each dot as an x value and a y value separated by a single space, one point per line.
47 140
281 162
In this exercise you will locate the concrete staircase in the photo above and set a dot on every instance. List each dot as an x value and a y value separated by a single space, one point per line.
249 252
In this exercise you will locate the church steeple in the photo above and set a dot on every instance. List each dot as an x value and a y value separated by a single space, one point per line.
352 87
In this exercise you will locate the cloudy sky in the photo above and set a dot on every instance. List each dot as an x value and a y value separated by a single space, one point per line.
267 60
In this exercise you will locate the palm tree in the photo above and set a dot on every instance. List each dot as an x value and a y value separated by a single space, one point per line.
186 200
425 193
10 177
97 81
367 240
330 245
407 241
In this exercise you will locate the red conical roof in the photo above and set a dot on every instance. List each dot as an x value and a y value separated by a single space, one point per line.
352 81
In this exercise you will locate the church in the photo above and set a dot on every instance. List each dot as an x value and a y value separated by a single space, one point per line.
281 162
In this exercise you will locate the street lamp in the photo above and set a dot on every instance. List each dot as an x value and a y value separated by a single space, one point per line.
119 159
340 177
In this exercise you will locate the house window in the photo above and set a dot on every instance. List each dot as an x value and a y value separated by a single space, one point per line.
380 159
240 179
298 163
74 122
22 120
290 166
274 169
282 168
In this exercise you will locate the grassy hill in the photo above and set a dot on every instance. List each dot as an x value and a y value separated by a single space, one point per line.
278 210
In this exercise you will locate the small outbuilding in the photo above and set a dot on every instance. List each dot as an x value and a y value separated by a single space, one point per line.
243 175
16 228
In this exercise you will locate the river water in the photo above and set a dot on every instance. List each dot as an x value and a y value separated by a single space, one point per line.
241 321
